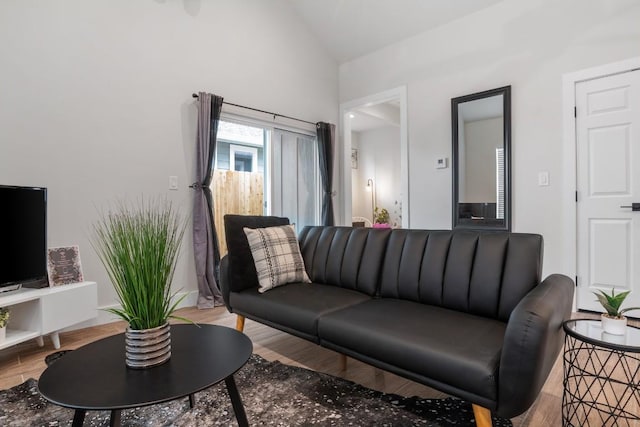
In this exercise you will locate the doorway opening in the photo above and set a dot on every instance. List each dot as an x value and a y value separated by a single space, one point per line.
375 160
600 179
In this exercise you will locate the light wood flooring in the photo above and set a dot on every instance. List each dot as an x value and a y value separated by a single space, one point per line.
26 360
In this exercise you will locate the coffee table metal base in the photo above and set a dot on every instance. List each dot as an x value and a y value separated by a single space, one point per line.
236 402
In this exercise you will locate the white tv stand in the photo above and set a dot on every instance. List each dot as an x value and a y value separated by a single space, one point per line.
39 312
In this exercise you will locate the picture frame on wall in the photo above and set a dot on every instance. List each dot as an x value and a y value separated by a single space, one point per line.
64 266
354 158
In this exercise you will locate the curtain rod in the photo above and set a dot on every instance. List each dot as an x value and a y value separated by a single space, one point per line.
195 95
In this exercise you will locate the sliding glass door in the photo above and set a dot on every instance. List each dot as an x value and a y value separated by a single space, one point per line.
261 170
294 177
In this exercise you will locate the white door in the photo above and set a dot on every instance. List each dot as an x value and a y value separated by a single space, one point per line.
608 178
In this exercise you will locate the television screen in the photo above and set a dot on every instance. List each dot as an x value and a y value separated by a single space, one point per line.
23 236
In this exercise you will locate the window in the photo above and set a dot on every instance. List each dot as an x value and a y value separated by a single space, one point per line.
242 158
283 174
240 147
295 180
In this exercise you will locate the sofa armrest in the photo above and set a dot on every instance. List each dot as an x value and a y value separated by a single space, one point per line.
533 340
225 283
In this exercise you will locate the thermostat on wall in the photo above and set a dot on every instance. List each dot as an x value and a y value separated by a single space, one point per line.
441 163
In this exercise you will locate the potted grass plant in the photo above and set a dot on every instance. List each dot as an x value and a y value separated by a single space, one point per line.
139 245
4 319
613 321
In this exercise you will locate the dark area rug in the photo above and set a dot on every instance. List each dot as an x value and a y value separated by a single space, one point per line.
273 395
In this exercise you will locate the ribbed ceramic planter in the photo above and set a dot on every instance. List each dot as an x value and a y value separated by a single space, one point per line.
3 334
146 348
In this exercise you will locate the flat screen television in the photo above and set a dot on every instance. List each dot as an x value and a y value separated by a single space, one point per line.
23 237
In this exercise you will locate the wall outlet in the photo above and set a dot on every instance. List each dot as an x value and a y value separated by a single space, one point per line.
173 183
543 178
442 163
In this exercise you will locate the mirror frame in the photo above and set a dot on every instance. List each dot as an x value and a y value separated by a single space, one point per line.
506 109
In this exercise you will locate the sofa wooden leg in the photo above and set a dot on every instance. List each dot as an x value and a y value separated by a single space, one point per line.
343 362
482 416
240 323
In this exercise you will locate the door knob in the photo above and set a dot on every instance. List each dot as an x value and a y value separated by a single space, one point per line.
634 207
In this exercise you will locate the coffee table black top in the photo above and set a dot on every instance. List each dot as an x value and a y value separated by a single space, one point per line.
95 377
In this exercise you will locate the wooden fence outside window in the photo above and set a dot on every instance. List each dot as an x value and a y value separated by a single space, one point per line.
234 192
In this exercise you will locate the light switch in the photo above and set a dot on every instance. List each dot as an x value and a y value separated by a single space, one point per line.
441 163
173 183
543 178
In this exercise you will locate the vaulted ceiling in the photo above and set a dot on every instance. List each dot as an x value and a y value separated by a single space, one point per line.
352 28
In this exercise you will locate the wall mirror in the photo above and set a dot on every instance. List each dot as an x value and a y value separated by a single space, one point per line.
481 129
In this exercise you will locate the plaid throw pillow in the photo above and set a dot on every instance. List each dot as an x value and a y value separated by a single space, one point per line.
277 257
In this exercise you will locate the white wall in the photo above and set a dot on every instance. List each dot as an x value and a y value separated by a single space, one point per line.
525 44
95 98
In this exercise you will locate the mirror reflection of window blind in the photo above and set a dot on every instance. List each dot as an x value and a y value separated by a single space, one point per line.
500 183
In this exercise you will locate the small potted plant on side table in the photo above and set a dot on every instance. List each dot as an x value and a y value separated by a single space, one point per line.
613 321
4 319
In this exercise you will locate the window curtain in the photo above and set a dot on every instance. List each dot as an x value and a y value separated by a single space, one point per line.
205 239
326 140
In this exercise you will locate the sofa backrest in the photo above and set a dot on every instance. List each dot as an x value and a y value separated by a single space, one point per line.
344 256
242 270
483 273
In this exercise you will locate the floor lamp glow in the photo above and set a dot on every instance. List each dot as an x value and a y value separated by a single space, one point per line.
372 190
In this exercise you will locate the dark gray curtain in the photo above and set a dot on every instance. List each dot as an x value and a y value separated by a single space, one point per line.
205 239
326 141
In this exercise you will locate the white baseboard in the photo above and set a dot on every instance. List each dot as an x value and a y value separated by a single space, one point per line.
103 317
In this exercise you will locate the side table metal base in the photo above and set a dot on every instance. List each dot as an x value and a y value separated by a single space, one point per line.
600 386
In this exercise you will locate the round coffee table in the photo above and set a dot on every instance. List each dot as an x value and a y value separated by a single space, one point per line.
95 377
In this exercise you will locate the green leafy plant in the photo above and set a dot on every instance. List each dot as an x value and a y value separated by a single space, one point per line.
4 316
612 303
380 216
139 246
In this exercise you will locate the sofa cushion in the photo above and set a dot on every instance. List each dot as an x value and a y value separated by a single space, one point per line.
296 307
242 271
276 256
446 346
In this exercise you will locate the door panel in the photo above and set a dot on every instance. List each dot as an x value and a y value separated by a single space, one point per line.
610 252
609 169
608 177
608 100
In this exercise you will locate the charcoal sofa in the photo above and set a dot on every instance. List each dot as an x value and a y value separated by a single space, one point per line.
464 312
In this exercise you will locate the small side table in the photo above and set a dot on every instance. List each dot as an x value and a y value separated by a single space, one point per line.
601 376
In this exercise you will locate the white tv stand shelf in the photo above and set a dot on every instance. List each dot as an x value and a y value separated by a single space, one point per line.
39 312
